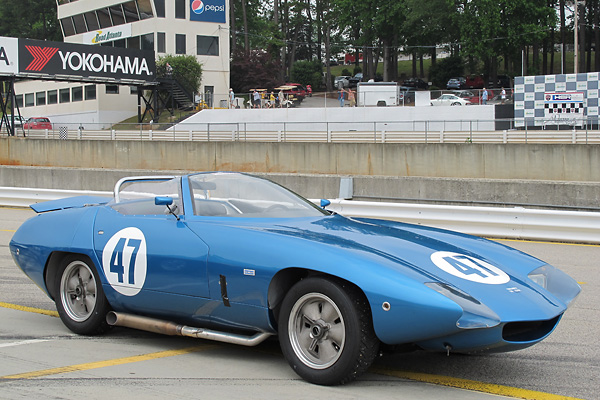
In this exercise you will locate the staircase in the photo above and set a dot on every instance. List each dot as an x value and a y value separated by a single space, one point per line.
183 98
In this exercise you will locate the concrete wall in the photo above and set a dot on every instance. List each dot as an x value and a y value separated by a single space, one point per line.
554 175
478 161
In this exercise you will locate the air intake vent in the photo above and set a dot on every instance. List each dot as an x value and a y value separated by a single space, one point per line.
528 330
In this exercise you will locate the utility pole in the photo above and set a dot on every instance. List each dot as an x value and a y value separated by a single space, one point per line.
576 36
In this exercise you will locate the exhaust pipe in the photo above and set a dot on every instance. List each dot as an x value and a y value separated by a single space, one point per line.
172 329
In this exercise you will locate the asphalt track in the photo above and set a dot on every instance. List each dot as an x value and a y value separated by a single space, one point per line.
40 358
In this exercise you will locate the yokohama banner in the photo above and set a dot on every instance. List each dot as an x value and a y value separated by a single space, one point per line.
85 61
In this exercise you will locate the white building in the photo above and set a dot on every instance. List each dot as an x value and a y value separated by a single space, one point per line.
192 27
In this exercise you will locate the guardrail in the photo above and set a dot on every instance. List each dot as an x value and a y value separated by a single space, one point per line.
517 222
379 133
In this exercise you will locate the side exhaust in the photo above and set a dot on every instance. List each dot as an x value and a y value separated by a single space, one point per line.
173 329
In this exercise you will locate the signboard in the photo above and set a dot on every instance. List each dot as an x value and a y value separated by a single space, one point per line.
9 56
208 11
107 34
45 58
564 106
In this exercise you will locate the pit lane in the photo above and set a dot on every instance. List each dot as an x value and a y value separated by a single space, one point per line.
42 358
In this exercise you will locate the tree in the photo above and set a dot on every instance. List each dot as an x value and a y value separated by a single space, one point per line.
255 70
32 19
186 69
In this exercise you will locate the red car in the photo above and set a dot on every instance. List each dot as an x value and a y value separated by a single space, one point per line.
299 91
38 123
474 82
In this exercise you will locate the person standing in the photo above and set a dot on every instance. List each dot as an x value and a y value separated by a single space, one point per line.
341 96
256 98
502 96
484 96
231 98
351 97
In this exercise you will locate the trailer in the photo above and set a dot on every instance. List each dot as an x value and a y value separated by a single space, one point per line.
381 94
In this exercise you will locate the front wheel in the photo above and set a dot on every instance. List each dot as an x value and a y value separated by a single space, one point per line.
326 331
80 300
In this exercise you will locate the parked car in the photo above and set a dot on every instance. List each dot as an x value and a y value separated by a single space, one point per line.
353 81
406 94
237 258
456 83
342 81
449 100
474 82
38 123
467 95
19 120
502 81
416 83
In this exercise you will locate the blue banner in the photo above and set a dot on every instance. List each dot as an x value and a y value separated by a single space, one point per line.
208 11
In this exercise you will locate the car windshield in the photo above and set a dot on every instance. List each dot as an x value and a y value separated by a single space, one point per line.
136 196
227 194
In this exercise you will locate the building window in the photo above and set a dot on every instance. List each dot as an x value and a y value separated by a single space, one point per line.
90 92
64 95
68 27
19 100
79 23
133 89
112 89
29 100
91 20
52 96
77 93
117 15
160 8
104 18
180 9
40 99
133 42
161 42
207 45
131 12
145 9
120 43
180 44
148 41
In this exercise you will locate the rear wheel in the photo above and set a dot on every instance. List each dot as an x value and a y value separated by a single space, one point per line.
326 331
80 300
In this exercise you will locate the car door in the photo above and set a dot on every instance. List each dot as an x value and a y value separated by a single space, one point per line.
150 253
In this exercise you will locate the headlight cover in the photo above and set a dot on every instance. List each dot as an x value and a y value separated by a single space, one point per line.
475 314
556 282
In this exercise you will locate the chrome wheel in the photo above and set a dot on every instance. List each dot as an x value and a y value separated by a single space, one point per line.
78 288
316 329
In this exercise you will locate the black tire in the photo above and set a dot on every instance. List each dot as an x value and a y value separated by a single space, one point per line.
326 331
80 300
456 104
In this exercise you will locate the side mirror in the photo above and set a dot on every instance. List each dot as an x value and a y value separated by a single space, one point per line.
325 203
163 201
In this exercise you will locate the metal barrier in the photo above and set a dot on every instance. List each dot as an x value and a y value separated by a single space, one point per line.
517 222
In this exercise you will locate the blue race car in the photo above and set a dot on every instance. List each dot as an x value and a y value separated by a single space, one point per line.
237 258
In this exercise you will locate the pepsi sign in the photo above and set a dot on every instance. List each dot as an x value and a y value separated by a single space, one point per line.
208 11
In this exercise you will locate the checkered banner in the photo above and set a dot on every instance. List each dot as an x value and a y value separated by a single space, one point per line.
63 133
556 99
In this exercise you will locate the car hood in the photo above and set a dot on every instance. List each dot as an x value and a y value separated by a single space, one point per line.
492 273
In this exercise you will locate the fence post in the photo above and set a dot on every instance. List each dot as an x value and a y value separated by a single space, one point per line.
441 136
150 134
113 134
190 135
504 136
383 136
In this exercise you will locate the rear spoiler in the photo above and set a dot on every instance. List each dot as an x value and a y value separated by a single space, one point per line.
69 202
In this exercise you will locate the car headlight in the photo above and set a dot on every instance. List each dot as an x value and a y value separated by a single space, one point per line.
556 282
475 314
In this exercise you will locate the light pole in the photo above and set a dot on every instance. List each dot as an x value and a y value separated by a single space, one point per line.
576 34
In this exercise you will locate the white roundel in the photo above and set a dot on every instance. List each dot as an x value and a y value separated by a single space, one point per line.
469 268
124 261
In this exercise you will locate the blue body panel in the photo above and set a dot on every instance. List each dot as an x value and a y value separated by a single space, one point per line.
159 266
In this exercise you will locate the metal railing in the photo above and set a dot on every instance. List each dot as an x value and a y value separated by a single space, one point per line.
517 222
449 131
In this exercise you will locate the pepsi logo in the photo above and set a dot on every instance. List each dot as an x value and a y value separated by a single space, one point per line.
198 6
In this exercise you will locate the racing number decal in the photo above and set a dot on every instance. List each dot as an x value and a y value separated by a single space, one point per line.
124 261
469 268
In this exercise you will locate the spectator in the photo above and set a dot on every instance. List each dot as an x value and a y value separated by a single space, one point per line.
256 98
351 98
341 96
231 98
169 70
484 96
502 96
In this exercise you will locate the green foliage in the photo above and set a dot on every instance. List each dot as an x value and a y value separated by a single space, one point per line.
186 69
255 70
445 69
307 73
346 72
33 19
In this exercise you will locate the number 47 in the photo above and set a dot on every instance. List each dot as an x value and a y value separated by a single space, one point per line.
116 260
